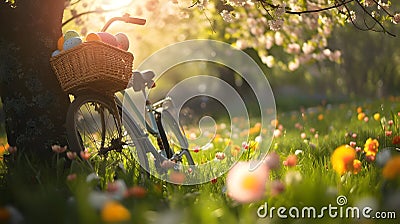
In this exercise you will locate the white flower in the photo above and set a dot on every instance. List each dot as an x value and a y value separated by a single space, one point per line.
278 38
293 48
293 65
275 25
280 10
227 16
268 60
307 48
396 18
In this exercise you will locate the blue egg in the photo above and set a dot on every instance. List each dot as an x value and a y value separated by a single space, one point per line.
72 42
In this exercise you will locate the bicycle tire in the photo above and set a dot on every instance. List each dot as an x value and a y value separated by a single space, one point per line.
92 122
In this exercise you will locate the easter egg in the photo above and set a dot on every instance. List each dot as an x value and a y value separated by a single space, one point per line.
69 34
72 42
123 41
55 53
92 37
108 38
60 43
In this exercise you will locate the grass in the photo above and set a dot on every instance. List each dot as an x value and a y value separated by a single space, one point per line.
56 196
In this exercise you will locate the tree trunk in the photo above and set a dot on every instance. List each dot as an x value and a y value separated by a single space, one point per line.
33 102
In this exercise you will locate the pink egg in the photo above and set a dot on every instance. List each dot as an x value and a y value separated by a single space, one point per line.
123 41
108 38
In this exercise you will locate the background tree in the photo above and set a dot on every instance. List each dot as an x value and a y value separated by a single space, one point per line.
33 102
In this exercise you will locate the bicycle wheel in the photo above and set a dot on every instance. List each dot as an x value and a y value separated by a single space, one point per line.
174 138
93 123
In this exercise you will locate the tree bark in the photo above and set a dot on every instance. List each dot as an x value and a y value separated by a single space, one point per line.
33 102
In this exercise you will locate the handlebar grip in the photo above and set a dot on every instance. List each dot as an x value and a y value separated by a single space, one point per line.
137 21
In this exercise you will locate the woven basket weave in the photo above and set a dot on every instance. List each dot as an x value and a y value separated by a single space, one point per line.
93 65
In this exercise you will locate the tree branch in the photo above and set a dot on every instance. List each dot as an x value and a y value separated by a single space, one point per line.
377 21
319 10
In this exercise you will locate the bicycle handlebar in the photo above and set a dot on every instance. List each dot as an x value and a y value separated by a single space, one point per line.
125 18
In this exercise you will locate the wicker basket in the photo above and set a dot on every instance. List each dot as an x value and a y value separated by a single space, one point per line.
93 65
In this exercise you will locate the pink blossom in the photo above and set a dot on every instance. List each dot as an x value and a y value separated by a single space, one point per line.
220 155
246 181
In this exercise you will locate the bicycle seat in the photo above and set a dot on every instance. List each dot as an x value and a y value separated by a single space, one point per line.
142 79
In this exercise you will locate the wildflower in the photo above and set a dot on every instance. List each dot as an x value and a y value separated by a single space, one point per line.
360 116
245 145
5 215
316 135
390 122
136 192
177 177
366 119
356 166
220 155
377 116
115 212
371 147
293 177
320 117
196 149
58 149
71 177
353 144
12 149
272 161
71 155
359 110
358 149
342 159
392 168
245 184
354 135
277 187
303 135
85 154
396 140
290 161
299 151
277 133
388 133
214 180
370 158
235 150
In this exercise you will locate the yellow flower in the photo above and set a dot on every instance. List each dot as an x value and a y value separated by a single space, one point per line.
359 110
392 168
371 147
343 158
115 212
360 116
356 166
320 117
377 116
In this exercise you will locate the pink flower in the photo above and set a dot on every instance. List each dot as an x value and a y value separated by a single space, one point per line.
85 154
354 135
353 144
277 133
272 160
245 145
388 133
71 155
290 161
390 122
303 135
58 149
246 181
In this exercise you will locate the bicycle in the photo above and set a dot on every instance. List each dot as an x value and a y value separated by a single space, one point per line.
94 117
